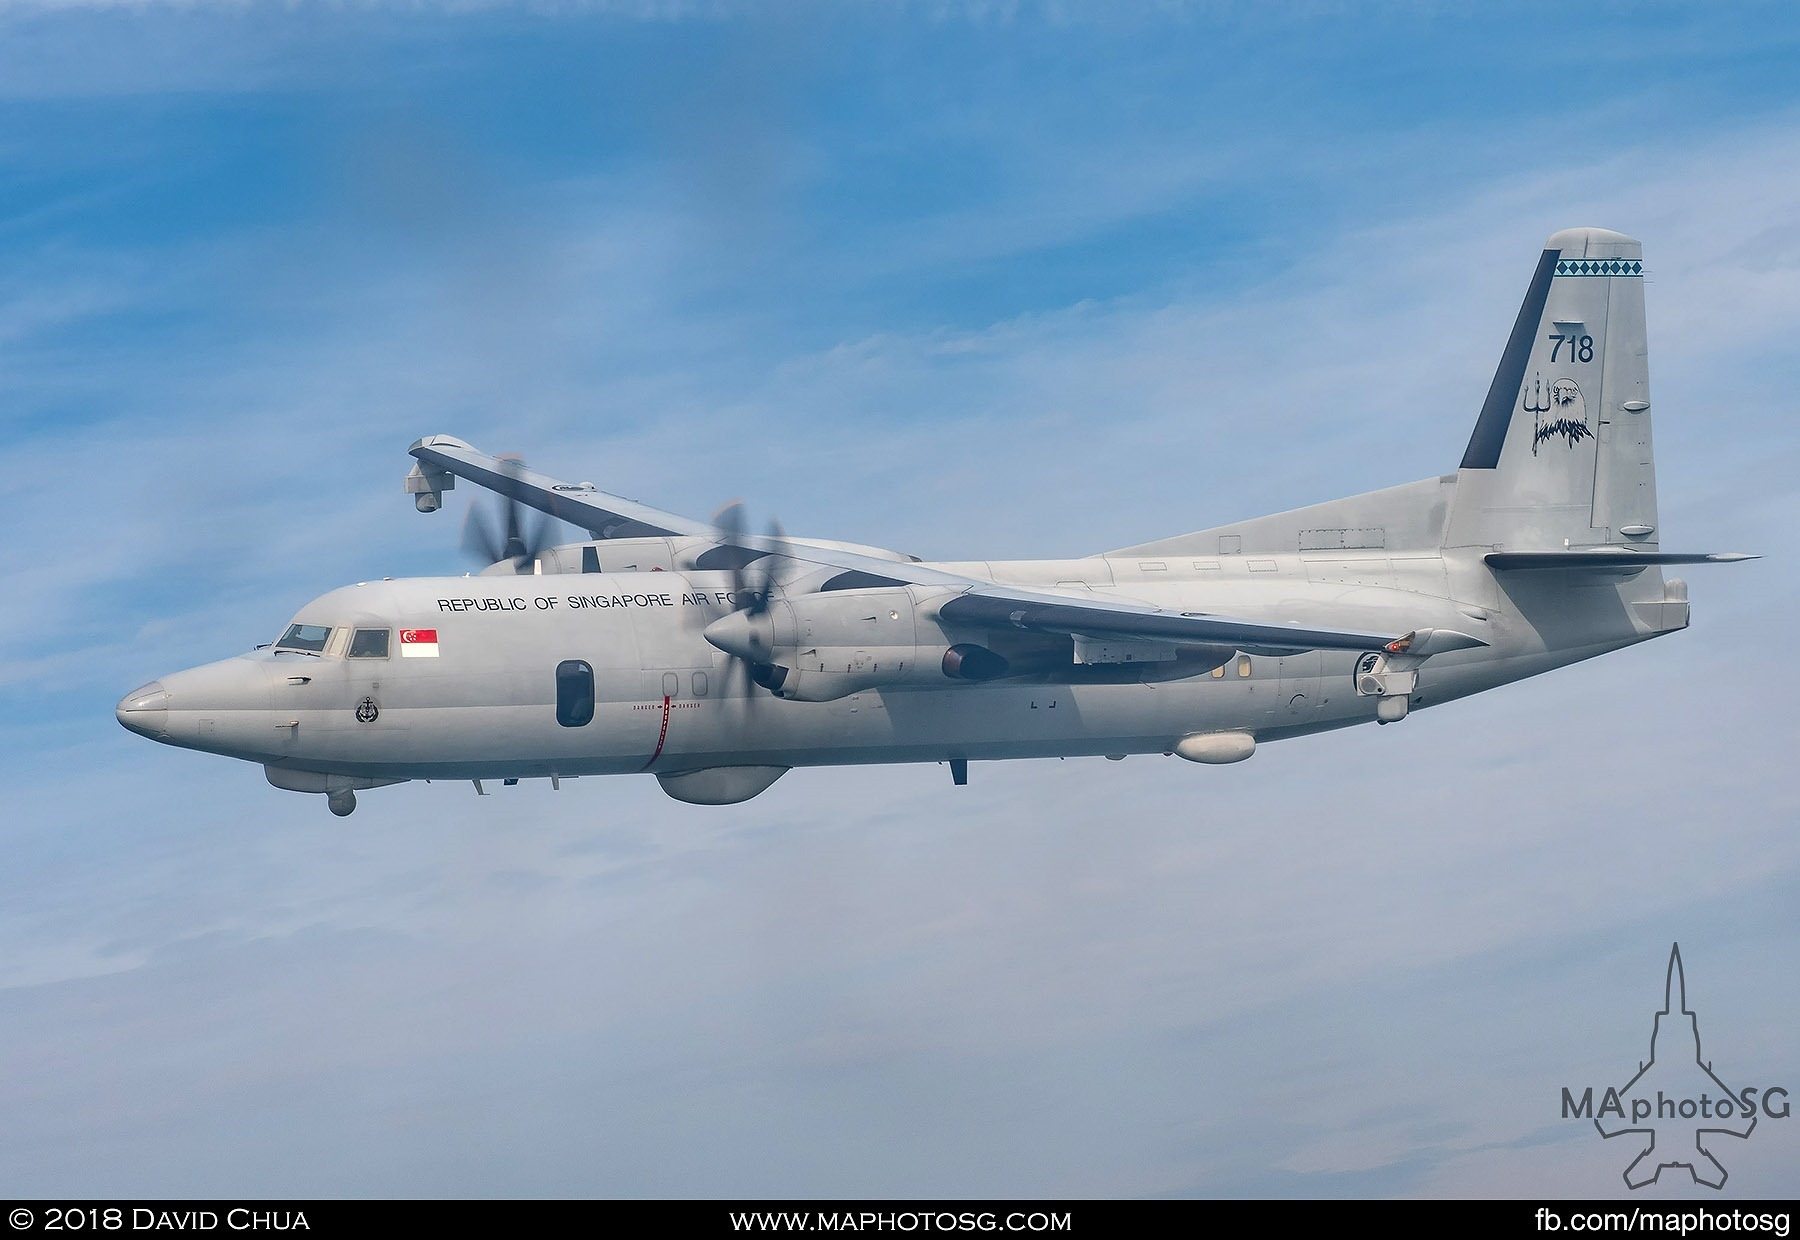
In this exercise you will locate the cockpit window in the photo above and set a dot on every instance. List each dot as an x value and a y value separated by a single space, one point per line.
369 644
308 637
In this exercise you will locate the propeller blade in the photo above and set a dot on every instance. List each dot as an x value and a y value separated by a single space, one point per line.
729 521
515 537
752 584
478 537
518 537
765 575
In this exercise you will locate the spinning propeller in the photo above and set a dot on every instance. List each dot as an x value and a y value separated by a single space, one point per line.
747 634
517 537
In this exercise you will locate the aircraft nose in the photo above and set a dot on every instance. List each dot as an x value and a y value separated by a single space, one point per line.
146 711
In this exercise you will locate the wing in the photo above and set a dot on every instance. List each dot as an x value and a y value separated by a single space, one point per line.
612 516
988 606
602 515
974 603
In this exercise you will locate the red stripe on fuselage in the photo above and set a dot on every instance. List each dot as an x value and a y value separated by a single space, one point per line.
661 736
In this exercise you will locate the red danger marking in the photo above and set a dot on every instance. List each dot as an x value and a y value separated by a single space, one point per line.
661 737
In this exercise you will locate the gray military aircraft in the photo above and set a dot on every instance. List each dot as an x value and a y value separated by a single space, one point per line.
717 659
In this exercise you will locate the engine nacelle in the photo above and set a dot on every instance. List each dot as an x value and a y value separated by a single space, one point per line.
840 674
822 647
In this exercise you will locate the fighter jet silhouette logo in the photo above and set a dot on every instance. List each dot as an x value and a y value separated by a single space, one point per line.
1681 1094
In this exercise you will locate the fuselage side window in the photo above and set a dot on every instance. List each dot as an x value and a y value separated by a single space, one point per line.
574 693
369 644
308 637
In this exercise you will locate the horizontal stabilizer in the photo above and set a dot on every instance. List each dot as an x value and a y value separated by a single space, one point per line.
1578 561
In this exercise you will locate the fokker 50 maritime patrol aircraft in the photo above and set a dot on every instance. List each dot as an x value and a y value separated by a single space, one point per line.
717 659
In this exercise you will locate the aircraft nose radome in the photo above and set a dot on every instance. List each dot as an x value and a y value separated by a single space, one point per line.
146 710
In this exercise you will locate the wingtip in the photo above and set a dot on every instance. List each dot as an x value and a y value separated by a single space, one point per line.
440 441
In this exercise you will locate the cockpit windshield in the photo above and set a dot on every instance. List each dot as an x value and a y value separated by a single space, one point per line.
369 644
310 638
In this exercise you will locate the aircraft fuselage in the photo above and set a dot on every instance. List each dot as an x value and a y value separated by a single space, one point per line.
498 692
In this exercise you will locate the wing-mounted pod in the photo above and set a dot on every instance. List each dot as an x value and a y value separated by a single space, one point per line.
1391 674
427 487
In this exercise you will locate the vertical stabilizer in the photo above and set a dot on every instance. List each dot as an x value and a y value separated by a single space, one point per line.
1560 456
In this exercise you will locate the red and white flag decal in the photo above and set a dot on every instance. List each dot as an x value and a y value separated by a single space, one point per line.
418 644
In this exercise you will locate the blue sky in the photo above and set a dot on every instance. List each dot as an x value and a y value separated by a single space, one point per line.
967 280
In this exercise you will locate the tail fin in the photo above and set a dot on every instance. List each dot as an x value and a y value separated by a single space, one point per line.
1561 457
